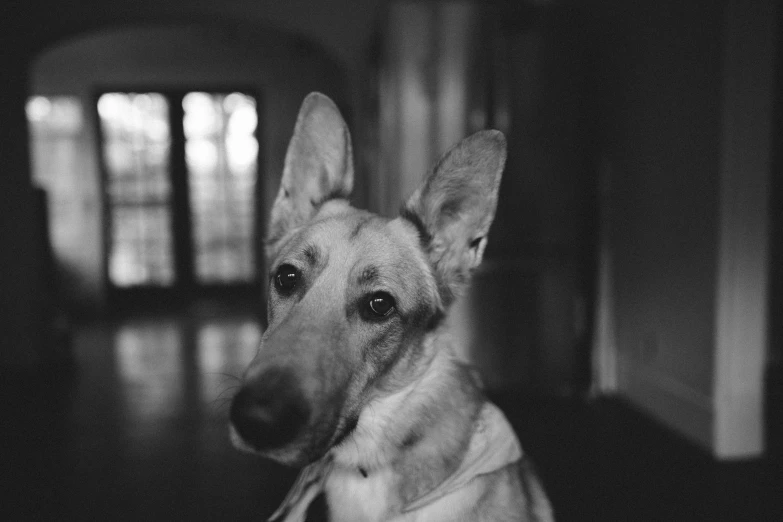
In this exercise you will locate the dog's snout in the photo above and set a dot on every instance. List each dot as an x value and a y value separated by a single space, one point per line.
269 411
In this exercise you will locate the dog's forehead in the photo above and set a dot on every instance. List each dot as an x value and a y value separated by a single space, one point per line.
357 240
366 235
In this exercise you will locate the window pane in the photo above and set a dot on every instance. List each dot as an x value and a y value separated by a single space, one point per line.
136 148
221 156
57 144
141 247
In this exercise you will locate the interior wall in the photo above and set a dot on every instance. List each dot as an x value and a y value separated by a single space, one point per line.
776 217
544 240
449 69
685 118
23 306
743 278
342 28
281 70
659 74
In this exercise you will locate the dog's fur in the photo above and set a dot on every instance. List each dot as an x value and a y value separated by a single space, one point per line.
385 419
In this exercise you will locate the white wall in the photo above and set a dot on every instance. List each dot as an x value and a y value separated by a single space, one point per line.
743 272
664 151
686 92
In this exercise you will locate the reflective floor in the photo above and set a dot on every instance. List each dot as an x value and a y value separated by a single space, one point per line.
135 429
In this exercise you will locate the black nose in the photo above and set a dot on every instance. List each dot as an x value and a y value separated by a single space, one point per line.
270 411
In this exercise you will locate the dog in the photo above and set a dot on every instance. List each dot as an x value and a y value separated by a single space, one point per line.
356 380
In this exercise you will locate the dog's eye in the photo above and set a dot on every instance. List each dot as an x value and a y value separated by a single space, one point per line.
381 304
286 278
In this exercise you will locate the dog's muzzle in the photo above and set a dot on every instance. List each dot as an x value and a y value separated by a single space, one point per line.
269 411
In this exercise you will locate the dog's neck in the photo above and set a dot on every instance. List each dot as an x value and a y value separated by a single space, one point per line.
408 434
410 447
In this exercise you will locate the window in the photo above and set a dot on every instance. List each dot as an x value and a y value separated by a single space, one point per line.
56 126
180 174
221 153
136 154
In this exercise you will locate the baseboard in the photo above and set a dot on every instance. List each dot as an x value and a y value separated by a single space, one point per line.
678 405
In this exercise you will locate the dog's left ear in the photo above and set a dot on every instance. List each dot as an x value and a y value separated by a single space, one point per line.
454 208
318 166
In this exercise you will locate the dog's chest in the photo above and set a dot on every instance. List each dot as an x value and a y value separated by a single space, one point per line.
353 497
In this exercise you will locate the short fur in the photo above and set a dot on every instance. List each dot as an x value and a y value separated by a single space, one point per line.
383 417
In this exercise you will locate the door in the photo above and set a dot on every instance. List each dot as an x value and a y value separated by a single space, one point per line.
180 172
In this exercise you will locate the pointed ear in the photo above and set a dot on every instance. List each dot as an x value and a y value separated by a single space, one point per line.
455 206
318 166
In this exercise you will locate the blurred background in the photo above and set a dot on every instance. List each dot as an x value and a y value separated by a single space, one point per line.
628 316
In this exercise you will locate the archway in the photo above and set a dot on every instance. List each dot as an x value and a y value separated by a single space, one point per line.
280 68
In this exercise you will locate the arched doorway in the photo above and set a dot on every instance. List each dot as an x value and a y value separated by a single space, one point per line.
99 249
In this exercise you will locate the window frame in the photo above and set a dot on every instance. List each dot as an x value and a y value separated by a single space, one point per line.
185 284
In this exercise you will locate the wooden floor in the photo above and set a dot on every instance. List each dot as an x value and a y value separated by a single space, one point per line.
135 429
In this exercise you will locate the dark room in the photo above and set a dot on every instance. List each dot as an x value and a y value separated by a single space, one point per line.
391 260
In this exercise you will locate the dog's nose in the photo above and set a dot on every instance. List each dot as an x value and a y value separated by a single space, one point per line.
269 411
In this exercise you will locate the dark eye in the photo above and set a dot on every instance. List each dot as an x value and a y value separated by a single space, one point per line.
381 304
286 278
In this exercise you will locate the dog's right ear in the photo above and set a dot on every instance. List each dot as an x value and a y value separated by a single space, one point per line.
318 166
455 206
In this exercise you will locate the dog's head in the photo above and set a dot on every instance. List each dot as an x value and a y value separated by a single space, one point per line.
353 294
